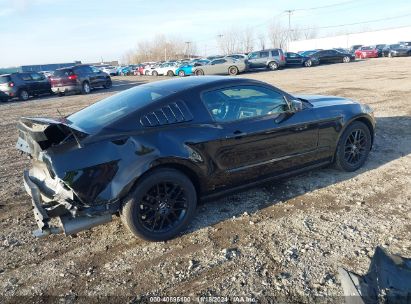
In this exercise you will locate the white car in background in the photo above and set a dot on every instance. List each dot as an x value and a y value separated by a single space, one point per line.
112 71
167 68
148 69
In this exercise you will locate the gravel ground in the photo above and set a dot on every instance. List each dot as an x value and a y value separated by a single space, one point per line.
284 239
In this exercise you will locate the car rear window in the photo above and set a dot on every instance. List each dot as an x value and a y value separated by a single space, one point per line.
63 73
4 79
102 113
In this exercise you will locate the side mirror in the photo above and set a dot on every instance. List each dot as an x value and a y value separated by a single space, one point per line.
296 105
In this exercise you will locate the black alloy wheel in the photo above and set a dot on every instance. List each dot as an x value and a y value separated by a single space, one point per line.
161 205
354 147
108 83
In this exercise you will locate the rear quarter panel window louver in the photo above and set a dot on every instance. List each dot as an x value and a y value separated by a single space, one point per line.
175 112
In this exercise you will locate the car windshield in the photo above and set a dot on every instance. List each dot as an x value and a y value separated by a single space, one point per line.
395 46
106 111
308 53
367 48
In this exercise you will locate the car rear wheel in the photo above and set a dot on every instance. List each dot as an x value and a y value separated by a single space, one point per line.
199 72
108 83
308 63
390 55
353 147
233 70
23 95
273 66
154 73
181 73
146 73
170 73
346 59
85 88
161 205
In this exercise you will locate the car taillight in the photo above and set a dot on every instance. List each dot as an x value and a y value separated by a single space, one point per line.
11 84
282 57
72 77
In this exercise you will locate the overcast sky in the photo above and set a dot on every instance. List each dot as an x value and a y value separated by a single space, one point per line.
52 31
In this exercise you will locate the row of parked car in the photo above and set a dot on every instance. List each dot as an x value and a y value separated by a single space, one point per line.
76 79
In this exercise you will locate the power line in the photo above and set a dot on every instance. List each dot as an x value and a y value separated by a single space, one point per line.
324 6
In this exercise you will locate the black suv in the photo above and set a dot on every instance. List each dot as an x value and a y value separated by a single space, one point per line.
78 79
23 85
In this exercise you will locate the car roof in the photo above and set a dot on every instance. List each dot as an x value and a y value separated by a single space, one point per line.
184 83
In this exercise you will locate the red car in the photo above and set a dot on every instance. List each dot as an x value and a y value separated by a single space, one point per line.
366 52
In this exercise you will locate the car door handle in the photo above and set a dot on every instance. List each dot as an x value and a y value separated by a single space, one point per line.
237 134
301 128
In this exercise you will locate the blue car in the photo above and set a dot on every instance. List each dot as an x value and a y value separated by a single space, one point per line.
187 69
124 70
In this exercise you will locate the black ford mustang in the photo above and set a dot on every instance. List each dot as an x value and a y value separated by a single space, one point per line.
150 152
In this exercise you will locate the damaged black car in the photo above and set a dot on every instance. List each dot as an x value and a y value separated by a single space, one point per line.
151 152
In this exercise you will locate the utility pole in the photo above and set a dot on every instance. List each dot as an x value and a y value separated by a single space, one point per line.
188 48
220 36
289 12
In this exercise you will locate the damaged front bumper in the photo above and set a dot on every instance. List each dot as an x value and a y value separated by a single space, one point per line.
67 223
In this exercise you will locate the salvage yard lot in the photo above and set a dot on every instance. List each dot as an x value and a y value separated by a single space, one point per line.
285 238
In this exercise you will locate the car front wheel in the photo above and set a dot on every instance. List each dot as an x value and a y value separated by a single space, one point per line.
181 73
108 83
353 147
161 205
308 63
199 72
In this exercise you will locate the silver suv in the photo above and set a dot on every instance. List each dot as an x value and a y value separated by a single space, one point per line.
272 59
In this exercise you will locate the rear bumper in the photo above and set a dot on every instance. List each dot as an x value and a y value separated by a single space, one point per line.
65 89
66 222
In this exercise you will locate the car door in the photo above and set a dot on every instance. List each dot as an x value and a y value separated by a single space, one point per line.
260 136
41 84
293 58
253 59
99 77
27 83
334 56
215 66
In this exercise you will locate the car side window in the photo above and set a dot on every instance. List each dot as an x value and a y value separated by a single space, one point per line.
264 54
95 70
292 55
37 77
253 56
25 77
240 102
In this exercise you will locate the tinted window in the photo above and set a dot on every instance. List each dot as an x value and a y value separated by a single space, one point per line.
4 79
275 53
25 77
241 102
253 55
264 54
106 111
37 77
218 61
83 70
63 72
292 55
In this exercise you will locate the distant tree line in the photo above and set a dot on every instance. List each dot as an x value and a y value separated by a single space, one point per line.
230 41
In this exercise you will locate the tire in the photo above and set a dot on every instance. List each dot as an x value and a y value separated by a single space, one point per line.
233 70
170 73
143 209
273 66
154 73
108 83
353 147
24 95
60 94
85 88
308 63
146 73
389 55
181 73
346 59
199 72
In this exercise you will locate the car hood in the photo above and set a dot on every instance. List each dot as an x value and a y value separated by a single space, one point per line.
324 101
